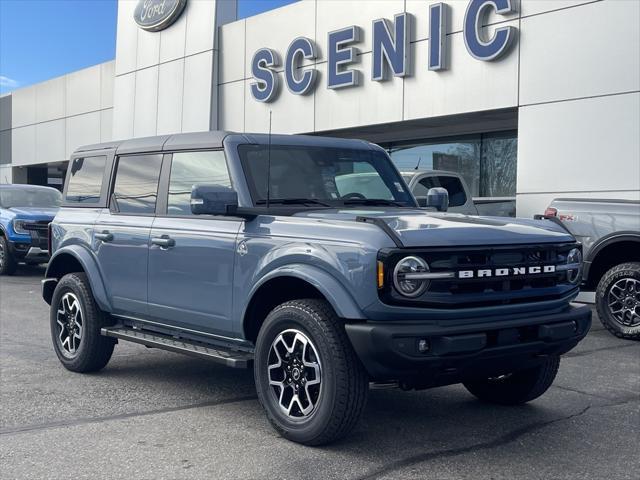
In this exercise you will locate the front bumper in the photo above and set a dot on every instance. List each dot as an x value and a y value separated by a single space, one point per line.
438 353
29 251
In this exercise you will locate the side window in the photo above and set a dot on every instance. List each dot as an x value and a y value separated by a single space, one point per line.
453 185
136 186
189 168
85 179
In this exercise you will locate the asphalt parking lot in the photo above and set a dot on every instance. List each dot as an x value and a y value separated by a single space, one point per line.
153 414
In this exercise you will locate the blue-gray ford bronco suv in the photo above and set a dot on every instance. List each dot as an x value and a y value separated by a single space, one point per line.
253 250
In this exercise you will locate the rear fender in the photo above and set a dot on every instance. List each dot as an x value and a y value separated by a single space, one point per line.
89 266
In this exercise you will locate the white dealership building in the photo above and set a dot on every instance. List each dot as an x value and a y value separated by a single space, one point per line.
528 99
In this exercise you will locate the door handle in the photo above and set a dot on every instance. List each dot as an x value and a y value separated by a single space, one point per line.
105 236
163 242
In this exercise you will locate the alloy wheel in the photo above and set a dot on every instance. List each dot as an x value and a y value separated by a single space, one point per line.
295 374
70 322
624 302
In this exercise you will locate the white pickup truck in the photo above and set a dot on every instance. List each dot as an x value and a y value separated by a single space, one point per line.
460 198
609 231
421 181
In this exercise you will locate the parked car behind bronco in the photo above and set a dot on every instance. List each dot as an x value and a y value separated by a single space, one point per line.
609 231
421 181
253 250
25 213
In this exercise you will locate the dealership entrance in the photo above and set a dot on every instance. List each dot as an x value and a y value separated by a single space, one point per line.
481 147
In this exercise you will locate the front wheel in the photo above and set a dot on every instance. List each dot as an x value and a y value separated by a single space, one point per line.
618 300
309 381
518 387
8 263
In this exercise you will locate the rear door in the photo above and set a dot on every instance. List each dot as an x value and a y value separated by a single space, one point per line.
121 233
84 198
191 258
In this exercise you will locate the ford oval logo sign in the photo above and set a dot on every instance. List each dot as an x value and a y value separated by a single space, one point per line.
156 15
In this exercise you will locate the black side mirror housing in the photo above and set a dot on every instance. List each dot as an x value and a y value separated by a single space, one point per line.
438 198
213 200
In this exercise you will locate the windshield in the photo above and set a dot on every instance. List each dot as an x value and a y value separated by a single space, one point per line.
30 197
321 176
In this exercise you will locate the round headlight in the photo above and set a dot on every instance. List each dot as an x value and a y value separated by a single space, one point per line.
574 258
404 276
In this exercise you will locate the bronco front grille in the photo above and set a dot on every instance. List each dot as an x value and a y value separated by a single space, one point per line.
501 282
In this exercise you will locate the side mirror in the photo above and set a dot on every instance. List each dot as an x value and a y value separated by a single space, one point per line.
438 198
213 200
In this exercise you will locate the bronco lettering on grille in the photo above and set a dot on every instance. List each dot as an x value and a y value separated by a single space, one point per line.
505 272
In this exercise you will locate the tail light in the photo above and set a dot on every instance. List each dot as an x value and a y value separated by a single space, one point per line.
49 236
551 212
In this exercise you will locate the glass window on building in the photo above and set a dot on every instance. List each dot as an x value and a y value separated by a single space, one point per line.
498 164
487 162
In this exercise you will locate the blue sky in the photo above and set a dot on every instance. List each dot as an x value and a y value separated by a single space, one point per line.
42 39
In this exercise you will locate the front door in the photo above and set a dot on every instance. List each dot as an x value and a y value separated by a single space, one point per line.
121 233
191 258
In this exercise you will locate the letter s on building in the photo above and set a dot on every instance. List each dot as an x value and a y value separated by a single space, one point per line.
265 88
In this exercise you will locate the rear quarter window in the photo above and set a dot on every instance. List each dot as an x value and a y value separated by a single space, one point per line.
135 189
85 179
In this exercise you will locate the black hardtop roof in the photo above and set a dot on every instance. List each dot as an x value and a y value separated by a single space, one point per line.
215 139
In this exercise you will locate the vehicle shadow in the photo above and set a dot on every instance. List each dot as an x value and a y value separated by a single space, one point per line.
30 270
402 427
403 431
155 369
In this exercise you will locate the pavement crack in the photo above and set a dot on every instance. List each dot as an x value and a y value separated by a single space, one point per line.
497 442
85 421
581 392
596 350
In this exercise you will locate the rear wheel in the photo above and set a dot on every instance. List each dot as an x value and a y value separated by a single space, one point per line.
75 322
618 300
517 387
309 381
8 263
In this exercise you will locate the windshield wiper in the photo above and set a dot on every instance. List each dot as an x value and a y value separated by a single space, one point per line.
372 201
293 201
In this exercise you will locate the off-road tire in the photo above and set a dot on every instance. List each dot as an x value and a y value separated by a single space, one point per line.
8 265
94 350
516 388
344 380
630 270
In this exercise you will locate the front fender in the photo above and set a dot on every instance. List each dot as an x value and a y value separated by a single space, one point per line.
335 293
58 267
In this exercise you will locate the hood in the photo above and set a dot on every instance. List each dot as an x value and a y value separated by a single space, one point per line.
34 213
420 228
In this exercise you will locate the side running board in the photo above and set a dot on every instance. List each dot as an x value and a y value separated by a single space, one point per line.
230 358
